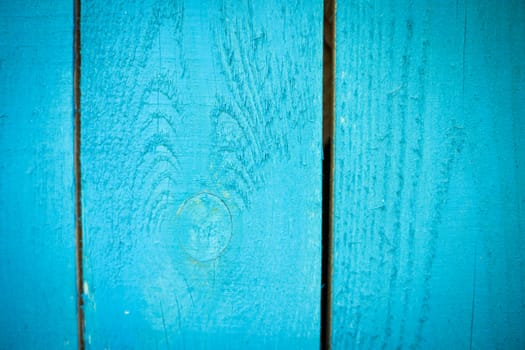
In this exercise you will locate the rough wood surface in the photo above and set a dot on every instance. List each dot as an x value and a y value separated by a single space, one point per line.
201 159
37 240
430 157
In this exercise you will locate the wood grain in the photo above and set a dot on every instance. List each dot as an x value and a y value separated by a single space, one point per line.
37 239
430 157
201 161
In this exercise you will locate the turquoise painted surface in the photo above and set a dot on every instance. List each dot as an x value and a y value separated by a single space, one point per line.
202 164
37 241
201 159
429 225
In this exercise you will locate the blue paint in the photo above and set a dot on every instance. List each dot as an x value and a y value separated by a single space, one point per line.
429 175
202 189
203 226
37 240
201 160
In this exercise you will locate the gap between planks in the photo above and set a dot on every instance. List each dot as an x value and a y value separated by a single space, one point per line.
328 170
77 170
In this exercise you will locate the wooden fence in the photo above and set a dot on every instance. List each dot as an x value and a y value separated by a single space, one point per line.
161 175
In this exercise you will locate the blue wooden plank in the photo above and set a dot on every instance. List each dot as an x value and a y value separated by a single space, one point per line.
37 234
201 154
430 157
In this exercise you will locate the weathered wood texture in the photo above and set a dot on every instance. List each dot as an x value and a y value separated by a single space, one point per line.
37 237
430 157
201 155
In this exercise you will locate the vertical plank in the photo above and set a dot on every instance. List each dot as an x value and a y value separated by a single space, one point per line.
37 236
202 173
429 223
